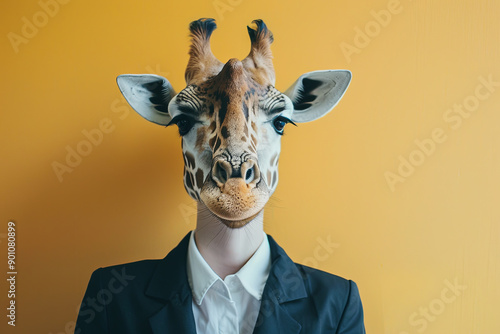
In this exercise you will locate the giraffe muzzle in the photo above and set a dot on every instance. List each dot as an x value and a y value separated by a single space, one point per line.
225 174
233 192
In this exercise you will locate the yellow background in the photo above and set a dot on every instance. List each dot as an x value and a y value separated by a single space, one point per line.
125 200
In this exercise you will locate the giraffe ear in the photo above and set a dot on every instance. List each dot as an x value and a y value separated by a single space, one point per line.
314 94
148 94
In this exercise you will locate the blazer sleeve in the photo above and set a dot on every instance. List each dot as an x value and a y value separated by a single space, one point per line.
351 321
92 315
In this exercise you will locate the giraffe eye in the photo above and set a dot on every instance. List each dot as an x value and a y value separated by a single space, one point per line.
184 123
279 124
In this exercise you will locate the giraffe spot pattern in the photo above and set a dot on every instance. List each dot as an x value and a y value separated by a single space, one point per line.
224 132
191 180
199 178
200 139
274 160
211 128
217 144
223 108
190 160
245 110
211 142
254 140
254 127
187 184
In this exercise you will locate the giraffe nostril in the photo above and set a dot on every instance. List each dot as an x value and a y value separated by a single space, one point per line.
251 172
223 175
221 172
249 175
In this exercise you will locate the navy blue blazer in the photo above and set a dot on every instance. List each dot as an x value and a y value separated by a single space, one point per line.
154 297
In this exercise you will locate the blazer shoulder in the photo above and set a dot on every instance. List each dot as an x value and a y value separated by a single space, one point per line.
133 266
327 286
323 279
137 271
333 292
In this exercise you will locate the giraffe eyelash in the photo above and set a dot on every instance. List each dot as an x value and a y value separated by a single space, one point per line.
279 123
184 123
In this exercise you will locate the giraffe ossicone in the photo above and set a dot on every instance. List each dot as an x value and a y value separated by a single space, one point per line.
231 118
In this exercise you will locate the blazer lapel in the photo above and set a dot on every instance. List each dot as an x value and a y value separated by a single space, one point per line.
284 284
273 318
170 284
177 318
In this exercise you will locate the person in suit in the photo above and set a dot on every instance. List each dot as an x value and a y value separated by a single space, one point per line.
226 276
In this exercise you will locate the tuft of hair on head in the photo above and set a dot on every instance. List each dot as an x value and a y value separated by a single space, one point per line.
257 31
202 63
259 60
202 28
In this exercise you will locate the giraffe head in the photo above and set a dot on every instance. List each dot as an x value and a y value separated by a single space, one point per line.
231 119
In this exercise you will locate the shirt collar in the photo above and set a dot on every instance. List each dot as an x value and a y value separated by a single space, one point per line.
253 275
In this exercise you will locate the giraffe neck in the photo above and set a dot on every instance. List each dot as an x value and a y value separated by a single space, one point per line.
226 249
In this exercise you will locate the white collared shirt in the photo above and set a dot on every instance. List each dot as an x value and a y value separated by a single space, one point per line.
228 306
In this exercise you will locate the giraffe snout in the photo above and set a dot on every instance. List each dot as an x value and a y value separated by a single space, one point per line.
248 173
233 190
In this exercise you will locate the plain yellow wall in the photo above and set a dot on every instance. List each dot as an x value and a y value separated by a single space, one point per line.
403 223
